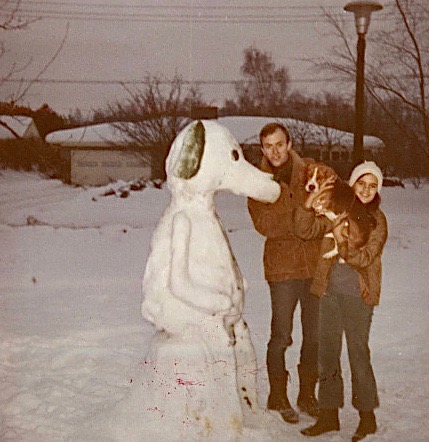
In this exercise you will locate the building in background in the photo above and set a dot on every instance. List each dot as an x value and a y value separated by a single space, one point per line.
102 153
16 127
99 154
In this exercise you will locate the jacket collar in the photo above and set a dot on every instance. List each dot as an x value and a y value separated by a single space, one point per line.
297 165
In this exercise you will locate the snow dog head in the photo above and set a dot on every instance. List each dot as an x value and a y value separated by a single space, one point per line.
205 158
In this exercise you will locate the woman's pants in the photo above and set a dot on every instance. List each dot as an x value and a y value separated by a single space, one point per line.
349 314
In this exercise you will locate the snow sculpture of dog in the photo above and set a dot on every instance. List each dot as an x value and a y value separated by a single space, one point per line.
201 367
198 380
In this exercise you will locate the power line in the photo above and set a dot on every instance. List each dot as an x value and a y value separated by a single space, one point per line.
156 18
189 82
186 20
135 82
178 7
228 14
173 14
164 15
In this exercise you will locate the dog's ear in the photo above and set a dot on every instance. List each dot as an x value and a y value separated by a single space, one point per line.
191 153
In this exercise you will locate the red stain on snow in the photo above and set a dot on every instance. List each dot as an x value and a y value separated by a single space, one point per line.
156 409
219 361
180 381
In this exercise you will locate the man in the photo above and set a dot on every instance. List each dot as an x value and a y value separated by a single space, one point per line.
289 265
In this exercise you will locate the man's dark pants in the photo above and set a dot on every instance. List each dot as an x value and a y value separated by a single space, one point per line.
284 299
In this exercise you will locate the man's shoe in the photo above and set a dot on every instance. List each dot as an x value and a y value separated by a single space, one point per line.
285 409
307 401
327 421
367 425
289 415
308 404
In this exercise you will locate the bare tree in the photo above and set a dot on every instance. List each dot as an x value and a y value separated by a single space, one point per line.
333 111
12 19
264 88
301 132
158 112
397 67
328 138
402 68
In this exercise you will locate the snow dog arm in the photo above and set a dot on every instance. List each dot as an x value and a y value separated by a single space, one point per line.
181 285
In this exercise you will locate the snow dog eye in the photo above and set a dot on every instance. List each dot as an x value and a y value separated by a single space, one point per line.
235 155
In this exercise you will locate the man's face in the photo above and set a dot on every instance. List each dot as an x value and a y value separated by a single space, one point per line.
275 148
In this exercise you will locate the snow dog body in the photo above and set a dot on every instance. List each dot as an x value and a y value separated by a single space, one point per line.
193 288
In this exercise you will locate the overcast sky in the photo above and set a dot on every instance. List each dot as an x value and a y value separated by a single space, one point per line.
125 40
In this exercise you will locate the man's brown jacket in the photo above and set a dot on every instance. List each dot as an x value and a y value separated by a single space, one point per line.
286 256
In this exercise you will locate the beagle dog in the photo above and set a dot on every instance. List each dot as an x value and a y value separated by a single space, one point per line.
338 199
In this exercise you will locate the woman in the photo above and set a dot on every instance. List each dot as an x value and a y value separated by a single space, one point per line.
349 287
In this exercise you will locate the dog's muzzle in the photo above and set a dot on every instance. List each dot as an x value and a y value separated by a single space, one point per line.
312 184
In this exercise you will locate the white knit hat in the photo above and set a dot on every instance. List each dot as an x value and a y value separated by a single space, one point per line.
363 169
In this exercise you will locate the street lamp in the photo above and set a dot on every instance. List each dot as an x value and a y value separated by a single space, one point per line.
362 11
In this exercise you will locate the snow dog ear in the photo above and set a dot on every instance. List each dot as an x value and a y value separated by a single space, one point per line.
191 152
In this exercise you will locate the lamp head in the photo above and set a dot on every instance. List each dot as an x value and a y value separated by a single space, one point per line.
362 11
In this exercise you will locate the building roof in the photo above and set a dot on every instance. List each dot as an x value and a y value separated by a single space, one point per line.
112 134
104 135
17 126
246 131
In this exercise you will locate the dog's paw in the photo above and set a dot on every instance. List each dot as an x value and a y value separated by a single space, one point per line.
330 254
334 251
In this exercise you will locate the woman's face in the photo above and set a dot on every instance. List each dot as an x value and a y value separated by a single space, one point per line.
366 187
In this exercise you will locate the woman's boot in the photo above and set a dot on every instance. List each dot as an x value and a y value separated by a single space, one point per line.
327 421
367 425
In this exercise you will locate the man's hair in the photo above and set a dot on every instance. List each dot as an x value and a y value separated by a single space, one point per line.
270 128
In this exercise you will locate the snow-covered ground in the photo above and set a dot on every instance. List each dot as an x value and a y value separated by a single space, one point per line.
72 338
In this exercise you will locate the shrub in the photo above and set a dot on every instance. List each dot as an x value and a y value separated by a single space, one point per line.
32 155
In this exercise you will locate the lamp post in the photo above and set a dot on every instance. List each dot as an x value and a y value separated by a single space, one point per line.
362 11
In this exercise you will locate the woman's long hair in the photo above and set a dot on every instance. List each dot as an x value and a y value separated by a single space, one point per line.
374 204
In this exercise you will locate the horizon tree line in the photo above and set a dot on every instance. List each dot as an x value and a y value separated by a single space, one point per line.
396 85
